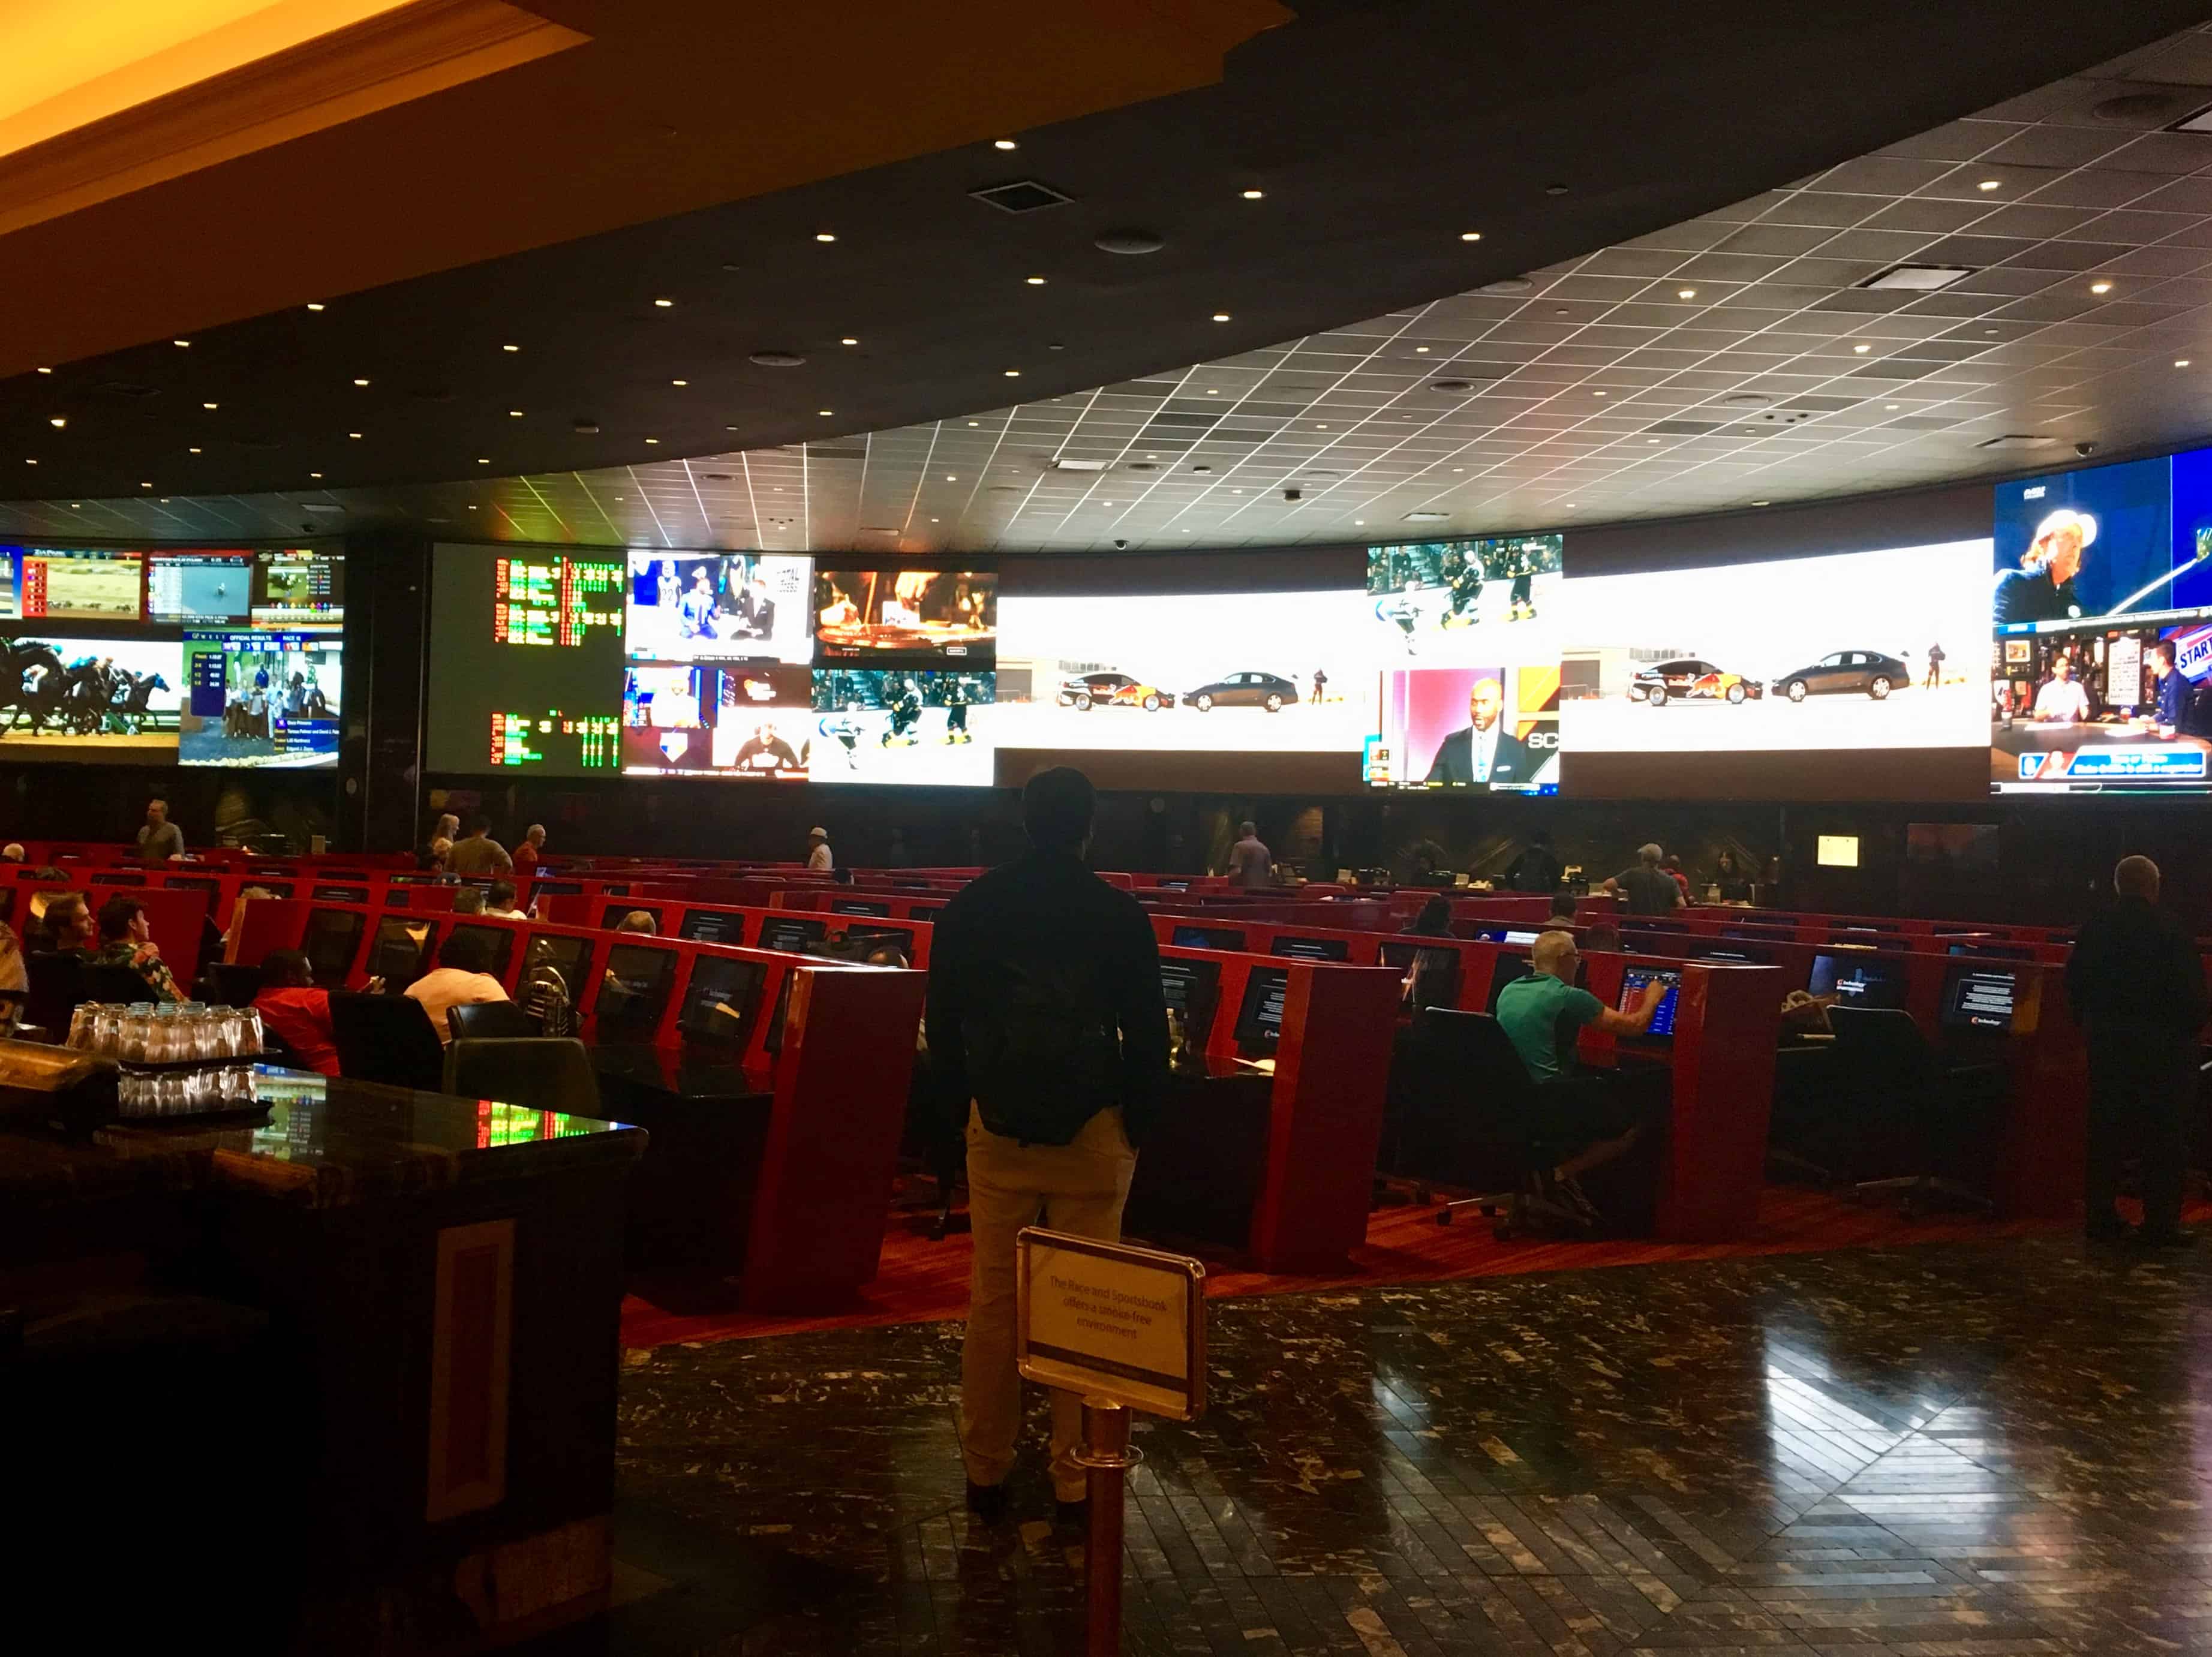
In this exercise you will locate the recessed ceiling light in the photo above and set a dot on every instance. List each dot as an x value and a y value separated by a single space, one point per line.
1597 393
1212 392
1034 282
1988 184
314 474
974 422
1651 440
472 508
514 413
45 371
1762 503
145 486
825 413
1892 408
194 449
662 304
510 347
825 235
1919 278
2179 362
1004 143
1013 373
1321 425
848 340
952 478
679 382
1420 350
2101 287
314 305
28 461
210 405
1359 523
483 461
1221 316
1470 235
182 345
1686 292
652 439
1254 194
359 381
58 422
1860 350
354 436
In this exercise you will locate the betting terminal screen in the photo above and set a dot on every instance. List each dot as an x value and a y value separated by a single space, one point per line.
710 926
1259 1019
1189 988
1976 1000
720 1001
1312 948
1633 984
526 662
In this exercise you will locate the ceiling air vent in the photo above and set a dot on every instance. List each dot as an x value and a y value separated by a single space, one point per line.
1428 517
1919 278
1021 195
1078 466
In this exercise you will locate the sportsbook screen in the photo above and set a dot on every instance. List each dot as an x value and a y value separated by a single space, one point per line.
2100 617
108 655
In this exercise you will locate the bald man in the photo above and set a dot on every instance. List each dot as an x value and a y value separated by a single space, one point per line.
2135 984
1485 752
1544 1015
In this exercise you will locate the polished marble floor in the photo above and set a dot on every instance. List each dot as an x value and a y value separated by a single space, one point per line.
1950 1450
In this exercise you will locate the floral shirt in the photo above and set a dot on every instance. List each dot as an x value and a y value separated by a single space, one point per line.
144 959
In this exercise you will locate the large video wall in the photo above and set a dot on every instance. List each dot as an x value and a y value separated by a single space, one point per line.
2071 652
205 656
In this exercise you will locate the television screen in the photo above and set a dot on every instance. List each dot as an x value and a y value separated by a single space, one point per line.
200 589
261 700
399 952
747 719
1837 850
1268 672
299 587
76 584
903 726
89 699
719 607
2082 546
1858 980
1427 598
953 614
526 663
1205 937
1863 651
1636 981
1493 727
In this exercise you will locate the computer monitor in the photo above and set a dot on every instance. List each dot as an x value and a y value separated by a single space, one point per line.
1313 949
2001 951
1205 937
635 991
791 934
1521 938
710 926
1434 973
498 945
859 906
1192 988
1503 971
613 914
1742 957
1978 999
119 877
332 941
1174 886
399 953
1859 981
571 958
1260 1018
339 894
1635 982
721 1001
560 887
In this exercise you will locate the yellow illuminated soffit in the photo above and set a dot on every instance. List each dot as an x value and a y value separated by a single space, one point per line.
100 97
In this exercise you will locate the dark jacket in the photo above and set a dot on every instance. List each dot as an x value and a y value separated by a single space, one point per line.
1537 869
1512 763
2030 595
2134 980
1045 1005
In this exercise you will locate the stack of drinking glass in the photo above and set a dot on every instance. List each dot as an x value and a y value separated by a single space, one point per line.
173 1059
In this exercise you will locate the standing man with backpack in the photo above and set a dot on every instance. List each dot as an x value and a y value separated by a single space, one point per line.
1047 1028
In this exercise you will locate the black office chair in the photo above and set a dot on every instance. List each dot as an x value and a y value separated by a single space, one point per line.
1495 1133
57 989
1938 1110
388 1039
114 983
541 1072
229 984
491 1020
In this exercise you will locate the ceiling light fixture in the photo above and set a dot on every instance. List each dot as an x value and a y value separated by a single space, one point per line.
1861 350
662 304
1420 350
679 382
1004 143
514 413
210 405
1890 408
952 478
1221 316
1470 235
1013 373
652 439
145 486
314 474
510 347
825 235
1988 184
194 449
1254 194
481 461
182 345
848 340
1035 282
58 422
354 436
45 371
360 381
2179 362
314 305
824 413
2101 287
1597 393
1686 292
1918 278
28 461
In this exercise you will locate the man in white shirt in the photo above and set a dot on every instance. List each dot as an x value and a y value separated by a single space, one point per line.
818 860
2063 701
499 903
459 980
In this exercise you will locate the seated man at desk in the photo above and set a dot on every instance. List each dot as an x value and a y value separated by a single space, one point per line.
299 1013
459 980
1543 1015
127 940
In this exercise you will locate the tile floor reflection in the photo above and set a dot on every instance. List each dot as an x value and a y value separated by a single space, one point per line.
1954 1451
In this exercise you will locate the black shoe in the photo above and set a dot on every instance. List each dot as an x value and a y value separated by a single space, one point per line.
987 1502
1075 1515
2109 1231
2163 1238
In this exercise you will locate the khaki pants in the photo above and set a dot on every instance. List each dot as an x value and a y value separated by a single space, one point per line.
1077 1187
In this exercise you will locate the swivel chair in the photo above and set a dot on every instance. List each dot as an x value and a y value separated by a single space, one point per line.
491 1020
387 1038
1936 1108
1499 1126
541 1072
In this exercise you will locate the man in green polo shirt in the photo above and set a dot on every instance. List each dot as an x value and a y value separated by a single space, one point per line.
1544 1015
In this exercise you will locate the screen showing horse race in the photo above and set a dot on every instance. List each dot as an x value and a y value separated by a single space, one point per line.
114 655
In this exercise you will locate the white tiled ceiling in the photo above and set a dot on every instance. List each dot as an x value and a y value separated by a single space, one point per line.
1728 361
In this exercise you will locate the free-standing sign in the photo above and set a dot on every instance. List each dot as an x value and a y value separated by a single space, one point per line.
1120 1323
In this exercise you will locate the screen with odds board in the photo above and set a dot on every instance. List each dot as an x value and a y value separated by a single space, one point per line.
527 661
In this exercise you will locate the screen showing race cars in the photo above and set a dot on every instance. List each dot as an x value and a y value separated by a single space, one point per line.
103 642
1864 651
2100 618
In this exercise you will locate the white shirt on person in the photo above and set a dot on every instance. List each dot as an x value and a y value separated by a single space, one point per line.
2064 702
818 861
445 987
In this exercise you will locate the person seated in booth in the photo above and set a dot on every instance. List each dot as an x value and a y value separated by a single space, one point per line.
1562 910
1434 919
127 940
70 928
637 921
499 903
1544 1015
298 1013
459 980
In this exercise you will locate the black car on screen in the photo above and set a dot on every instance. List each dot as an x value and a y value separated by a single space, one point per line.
1268 690
1856 672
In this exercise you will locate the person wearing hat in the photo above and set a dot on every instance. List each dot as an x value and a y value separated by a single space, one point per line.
818 860
2042 588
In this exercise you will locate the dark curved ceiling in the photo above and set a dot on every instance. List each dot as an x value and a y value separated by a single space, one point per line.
1377 133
